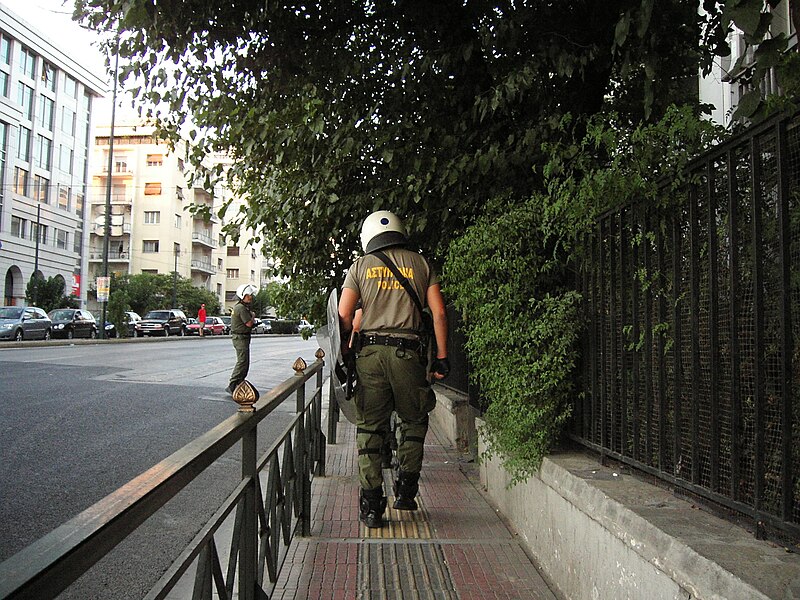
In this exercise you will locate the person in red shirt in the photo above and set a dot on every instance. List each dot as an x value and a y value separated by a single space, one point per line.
201 318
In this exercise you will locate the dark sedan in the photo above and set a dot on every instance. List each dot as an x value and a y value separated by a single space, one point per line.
73 323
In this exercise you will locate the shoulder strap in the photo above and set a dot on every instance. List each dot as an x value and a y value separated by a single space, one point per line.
400 277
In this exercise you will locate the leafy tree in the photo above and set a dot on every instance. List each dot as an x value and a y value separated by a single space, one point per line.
48 294
332 110
115 313
151 291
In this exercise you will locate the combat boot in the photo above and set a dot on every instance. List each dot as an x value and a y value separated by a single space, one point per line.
405 489
372 504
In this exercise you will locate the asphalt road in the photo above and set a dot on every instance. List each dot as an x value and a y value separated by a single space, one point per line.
78 421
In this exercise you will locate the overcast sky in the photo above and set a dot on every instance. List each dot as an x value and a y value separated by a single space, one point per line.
53 18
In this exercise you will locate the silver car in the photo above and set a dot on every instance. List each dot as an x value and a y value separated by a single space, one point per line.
24 323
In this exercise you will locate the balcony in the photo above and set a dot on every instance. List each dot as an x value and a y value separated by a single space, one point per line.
116 230
204 239
204 266
116 199
97 256
119 172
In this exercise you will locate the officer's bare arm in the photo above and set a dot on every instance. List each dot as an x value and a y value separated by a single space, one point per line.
436 304
347 307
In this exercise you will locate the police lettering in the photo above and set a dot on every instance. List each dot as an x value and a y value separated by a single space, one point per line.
385 273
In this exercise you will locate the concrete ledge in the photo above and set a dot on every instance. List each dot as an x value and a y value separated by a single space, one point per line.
597 533
455 418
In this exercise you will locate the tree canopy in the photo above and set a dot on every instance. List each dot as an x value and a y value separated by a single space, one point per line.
331 110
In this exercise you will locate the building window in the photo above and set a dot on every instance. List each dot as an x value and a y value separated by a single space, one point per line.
68 121
27 62
233 250
25 99
24 144
70 86
177 221
41 189
150 271
155 160
49 76
4 84
62 239
46 110
63 197
152 217
19 227
65 155
179 193
152 189
150 246
221 239
232 273
79 205
253 253
21 182
252 275
219 264
180 165
120 164
43 151
42 232
5 50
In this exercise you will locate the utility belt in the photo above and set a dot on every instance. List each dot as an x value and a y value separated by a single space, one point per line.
403 343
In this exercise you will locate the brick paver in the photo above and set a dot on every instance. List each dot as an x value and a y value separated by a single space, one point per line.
454 547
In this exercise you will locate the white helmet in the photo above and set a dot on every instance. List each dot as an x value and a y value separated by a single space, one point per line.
244 289
382 229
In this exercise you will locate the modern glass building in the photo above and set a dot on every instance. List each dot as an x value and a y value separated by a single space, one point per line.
46 104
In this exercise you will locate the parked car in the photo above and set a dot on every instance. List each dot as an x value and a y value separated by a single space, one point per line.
164 322
73 323
24 323
133 319
214 326
305 325
260 326
226 320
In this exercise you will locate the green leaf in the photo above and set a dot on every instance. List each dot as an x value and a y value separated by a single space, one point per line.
748 105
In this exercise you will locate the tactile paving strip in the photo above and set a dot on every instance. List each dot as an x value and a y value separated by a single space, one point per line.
400 524
404 570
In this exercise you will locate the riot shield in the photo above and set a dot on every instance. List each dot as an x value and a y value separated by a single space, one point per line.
328 337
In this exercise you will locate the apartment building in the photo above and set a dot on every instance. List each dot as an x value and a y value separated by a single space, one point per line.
722 87
152 229
244 260
46 106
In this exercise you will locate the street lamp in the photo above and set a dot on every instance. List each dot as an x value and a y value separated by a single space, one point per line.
107 229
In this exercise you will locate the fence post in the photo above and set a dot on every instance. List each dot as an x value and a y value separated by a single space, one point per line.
319 437
248 558
304 472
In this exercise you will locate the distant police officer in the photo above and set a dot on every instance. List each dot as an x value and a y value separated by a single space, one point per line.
242 321
391 358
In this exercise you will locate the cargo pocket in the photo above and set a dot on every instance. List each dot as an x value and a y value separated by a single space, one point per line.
427 399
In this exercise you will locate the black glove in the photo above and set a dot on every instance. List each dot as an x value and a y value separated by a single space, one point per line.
441 366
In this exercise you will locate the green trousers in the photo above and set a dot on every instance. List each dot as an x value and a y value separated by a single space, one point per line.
390 379
241 343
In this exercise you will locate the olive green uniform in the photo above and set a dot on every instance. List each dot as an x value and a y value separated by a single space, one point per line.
240 336
391 377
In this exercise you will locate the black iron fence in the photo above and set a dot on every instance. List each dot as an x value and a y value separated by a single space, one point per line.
270 505
691 360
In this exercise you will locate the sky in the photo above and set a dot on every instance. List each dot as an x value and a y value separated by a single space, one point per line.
53 18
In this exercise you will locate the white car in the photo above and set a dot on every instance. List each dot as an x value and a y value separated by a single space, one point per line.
304 325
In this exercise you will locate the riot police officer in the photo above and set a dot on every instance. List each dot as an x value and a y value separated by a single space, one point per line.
391 360
242 321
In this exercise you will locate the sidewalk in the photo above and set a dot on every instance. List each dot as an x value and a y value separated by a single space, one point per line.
454 547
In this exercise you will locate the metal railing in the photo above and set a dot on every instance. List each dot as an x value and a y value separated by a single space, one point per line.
266 517
691 369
